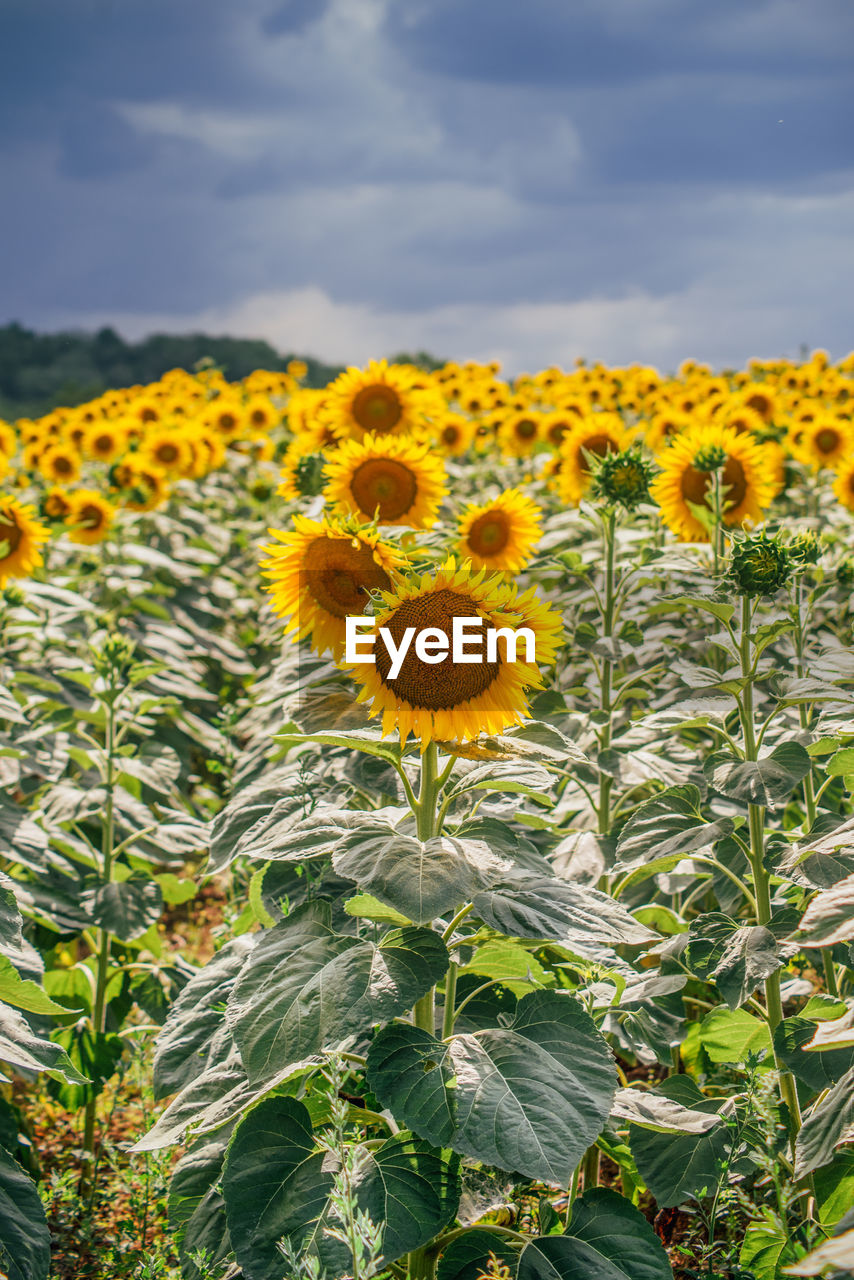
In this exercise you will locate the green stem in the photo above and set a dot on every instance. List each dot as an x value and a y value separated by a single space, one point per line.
609 524
99 1011
450 1000
590 1168
761 877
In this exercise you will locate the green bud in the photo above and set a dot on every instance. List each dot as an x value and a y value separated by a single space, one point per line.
805 548
622 478
712 458
309 475
759 565
115 656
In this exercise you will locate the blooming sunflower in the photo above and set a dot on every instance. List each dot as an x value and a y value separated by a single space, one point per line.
104 441
377 401
843 485
455 434
323 572
21 536
519 434
597 434
142 488
663 427
55 504
169 451
396 481
500 534
748 476
825 442
90 516
447 701
60 464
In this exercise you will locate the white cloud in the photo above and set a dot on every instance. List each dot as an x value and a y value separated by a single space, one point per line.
707 321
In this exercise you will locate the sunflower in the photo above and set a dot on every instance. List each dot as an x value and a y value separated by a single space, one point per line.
843 485
665 424
90 516
597 434
168 451
225 415
324 572
825 442
260 413
455 434
449 701
8 439
142 488
556 426
21 536
759 397
519 434
395 481
749 479
500 534
104 441
55 505
60 464
378 401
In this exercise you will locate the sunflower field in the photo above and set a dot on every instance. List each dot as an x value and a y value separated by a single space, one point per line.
332 948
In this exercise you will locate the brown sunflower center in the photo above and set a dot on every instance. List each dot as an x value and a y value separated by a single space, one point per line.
557 431
443 685
526 429
827 440
62 465
227 421
489 534
339 573
386 485
258 417
103 444
148 415
91 517
450 434
759 402
697 485
10 533
377 408
167 453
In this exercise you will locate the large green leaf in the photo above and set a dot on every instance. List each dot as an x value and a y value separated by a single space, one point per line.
305 989
530 1096
276 1186
836 1253
647 1109
509 776
834 1187
543 908
282 790
667 828
769 781
829 1122
830 916
677 1165
273 1183
197 1208
192 1038
23 993
368 740
24 1235
420 879
10 916
125 908
766 1248
730 1035
608 1239
737 957
20 1047
817 1069
467 1257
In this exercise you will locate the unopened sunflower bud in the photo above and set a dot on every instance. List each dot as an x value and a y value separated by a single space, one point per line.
622 478
759 565
805 548
712 458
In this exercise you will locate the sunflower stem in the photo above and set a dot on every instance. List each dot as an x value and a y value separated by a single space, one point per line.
426 819
761 876
609 524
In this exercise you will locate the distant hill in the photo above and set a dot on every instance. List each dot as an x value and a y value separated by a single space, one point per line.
39 371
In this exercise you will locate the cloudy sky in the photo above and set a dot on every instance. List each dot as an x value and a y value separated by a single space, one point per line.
530 180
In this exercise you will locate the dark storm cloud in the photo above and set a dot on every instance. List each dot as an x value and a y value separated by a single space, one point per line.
171 156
